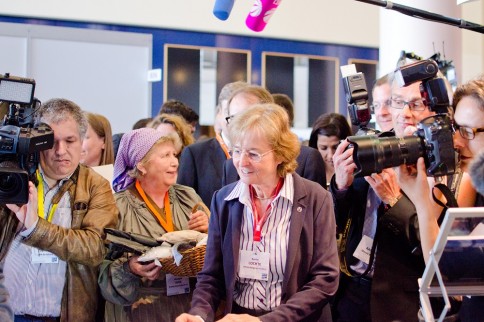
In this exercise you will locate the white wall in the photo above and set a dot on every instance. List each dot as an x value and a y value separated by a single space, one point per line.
66 62
330 21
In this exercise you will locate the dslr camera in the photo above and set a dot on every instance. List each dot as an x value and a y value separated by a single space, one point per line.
433 139
21 139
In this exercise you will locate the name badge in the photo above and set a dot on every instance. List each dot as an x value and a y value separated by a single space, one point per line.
363 250
254 265
43 257
176 285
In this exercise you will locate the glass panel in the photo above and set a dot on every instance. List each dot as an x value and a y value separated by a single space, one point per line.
310 81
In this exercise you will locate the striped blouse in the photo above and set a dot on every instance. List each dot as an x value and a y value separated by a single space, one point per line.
259 294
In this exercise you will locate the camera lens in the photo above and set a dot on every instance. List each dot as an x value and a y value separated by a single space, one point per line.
372 154
14 185
10 184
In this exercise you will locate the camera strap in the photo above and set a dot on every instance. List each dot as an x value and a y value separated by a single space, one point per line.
342 252
449 196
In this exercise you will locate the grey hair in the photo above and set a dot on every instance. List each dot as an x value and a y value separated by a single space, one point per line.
57 110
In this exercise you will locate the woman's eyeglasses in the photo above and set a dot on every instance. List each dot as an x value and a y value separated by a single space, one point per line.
466 132
253 156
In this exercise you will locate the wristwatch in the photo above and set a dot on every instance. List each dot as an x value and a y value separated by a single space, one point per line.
392 202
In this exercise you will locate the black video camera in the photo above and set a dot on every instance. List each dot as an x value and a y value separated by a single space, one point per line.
433 139
21 139
357 99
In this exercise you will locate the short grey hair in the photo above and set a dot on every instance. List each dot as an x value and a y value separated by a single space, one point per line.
57 110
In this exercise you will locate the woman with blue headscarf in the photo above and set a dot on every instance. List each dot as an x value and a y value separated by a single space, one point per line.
151 204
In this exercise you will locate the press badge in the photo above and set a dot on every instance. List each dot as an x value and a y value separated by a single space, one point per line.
254 265
176 285
40 256
363 250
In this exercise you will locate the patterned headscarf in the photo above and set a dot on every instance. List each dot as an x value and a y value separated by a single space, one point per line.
132 149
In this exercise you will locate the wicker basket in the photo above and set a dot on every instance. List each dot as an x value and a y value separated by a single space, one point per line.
190 265
193 258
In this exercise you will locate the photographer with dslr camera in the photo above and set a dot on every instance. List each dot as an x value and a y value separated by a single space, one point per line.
468 104
51 265
380 281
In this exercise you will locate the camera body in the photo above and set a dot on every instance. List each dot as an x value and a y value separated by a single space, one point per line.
21 139
433 139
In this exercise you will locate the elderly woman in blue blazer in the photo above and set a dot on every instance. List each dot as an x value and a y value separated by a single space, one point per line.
271 253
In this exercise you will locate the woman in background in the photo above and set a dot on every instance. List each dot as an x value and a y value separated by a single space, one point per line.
97 146
328 131
169 123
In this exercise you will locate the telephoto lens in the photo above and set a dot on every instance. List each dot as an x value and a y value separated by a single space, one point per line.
372 153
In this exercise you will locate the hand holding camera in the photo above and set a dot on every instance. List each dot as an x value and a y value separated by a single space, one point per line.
27 213
344 165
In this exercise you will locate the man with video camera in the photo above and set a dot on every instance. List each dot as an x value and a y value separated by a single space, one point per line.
380 281
468 104
51 265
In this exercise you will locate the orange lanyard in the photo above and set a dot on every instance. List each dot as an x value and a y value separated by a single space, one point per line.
259 221
166 224
223 145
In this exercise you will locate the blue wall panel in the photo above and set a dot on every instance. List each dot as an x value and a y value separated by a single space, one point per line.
255 44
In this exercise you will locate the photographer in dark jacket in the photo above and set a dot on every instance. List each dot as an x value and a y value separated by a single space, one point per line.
380 254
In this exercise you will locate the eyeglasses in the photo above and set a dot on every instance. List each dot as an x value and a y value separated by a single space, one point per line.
253 156
379 105
468 133
228 118
416 105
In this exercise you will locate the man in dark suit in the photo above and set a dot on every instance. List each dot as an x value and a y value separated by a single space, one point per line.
201 164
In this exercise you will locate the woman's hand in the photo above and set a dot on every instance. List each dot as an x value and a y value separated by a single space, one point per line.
27 214
413 181
239 318
198 221
344 166
148 270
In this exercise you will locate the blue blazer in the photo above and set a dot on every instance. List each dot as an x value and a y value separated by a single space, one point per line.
201 167
312 268
310 165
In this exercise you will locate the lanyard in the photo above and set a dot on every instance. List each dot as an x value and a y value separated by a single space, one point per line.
259 221
166 224
223 145
40 200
